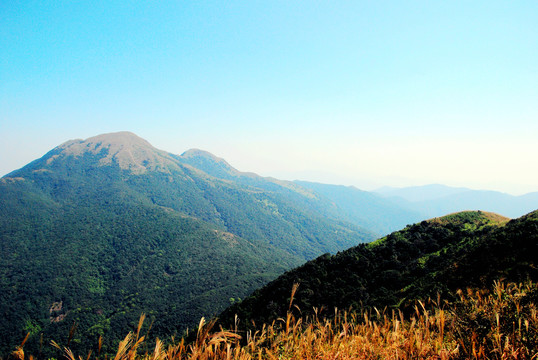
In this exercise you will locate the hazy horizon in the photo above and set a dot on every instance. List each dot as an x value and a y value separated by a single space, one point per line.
364 94
323 177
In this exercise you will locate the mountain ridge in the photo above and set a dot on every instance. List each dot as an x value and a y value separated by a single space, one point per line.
138 156
124 148
420 193
365 208
112 228
436 200
439 255
201 155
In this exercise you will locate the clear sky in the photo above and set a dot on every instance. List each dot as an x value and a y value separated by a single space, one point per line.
364 93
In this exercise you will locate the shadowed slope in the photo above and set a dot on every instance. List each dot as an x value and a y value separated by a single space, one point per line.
435 256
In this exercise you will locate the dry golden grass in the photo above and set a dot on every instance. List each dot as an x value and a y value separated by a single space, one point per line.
501 324
494 218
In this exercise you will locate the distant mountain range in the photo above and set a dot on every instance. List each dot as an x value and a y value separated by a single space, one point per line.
99 230
437 200
366 209
420 193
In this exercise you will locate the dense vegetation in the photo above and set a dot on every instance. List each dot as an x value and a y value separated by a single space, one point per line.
101 266
94 233
98 231
479 324
435 256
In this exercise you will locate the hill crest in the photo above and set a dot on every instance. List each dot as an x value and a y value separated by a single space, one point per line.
431 257
124 148
477 217
213 165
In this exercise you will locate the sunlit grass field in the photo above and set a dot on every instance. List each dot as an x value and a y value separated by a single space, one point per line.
500 323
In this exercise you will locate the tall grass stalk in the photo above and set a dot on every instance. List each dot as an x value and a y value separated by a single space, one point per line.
500 324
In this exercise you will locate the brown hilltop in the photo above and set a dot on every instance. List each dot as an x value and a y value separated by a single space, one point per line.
127 149
478 216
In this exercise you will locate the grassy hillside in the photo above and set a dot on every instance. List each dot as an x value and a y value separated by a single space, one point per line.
100 230
435 256
349 305
500 323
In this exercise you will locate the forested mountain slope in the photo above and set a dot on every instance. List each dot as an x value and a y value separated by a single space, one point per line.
365 208
122 160
343 203
99 230
440 255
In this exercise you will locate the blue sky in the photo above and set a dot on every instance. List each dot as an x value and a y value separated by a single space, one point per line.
358 93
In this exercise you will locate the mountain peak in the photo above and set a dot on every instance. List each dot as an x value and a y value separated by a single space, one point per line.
122 139
202 153
128 150
209 163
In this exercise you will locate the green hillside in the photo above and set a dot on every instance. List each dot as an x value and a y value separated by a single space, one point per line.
102 262
441 255
99 230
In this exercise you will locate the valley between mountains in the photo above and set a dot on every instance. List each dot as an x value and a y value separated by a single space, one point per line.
98 231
